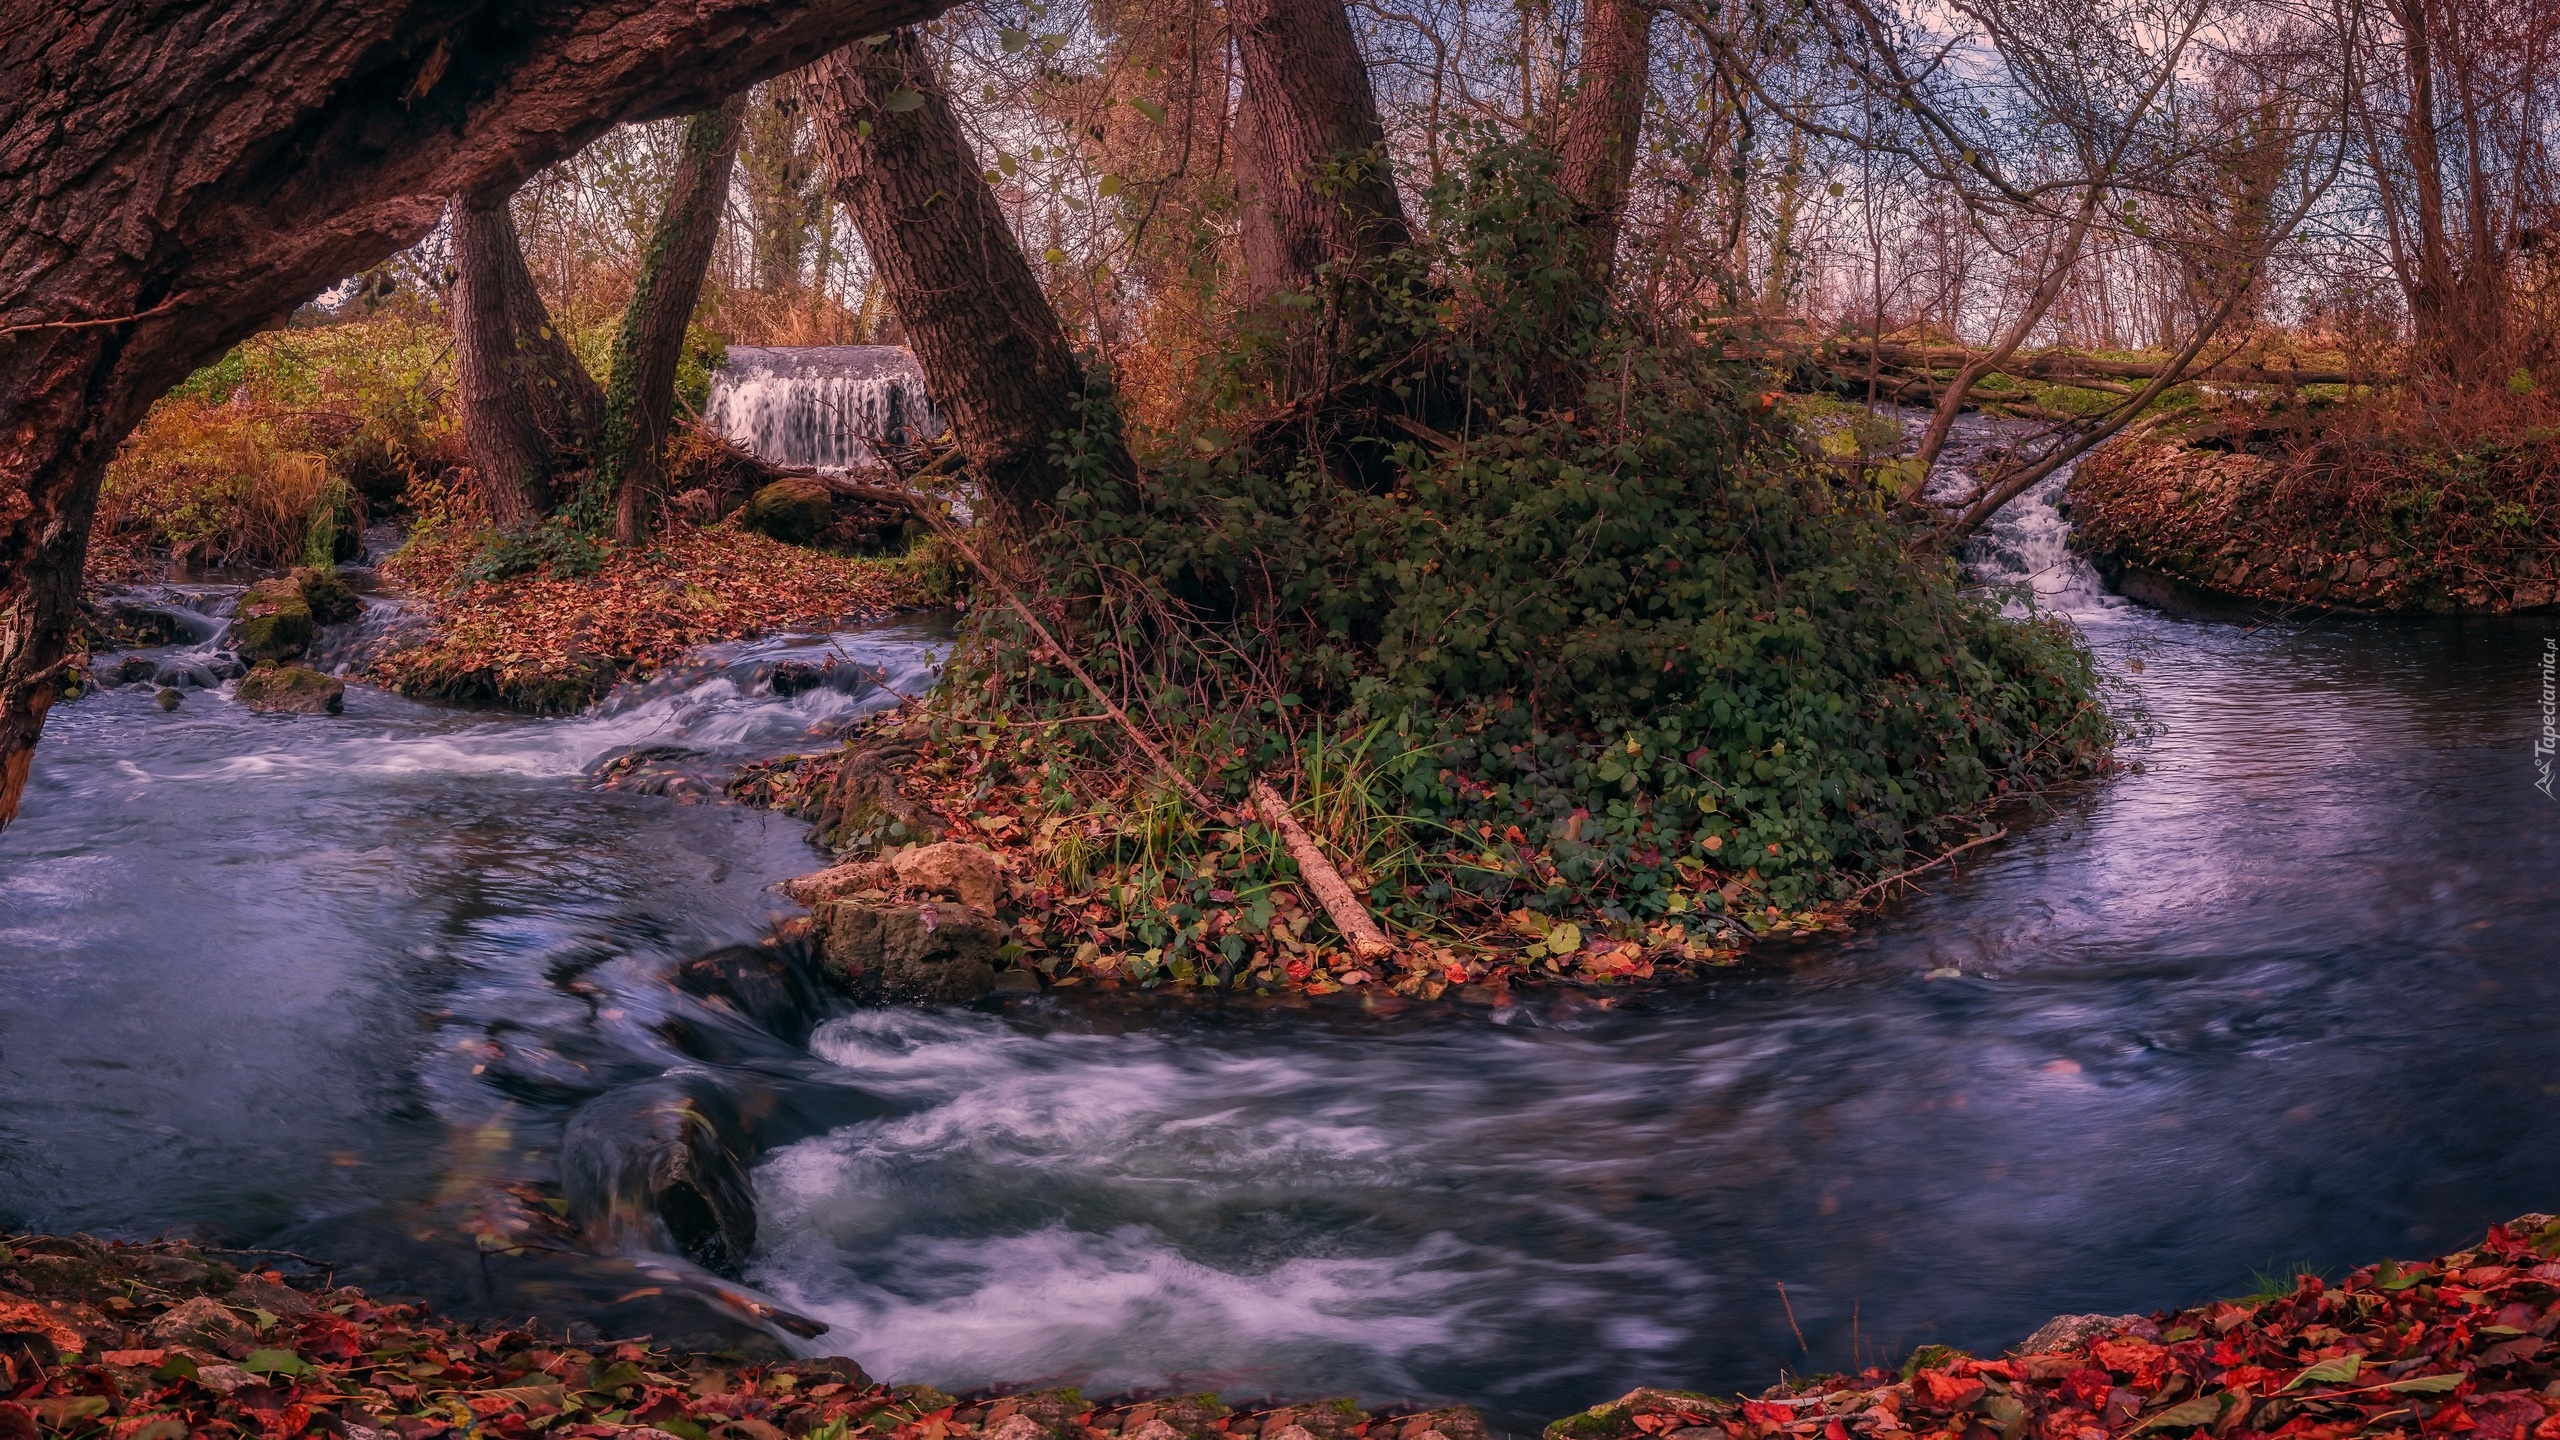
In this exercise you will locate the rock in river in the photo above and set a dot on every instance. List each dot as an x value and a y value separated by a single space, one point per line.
930 952
273 622
292 690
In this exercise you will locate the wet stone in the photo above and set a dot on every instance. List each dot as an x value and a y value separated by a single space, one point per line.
924 953
292 690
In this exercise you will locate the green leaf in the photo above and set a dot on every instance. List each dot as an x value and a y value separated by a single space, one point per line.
2328 1372
275 1362
1838 189
63 1409
2392 1277
1006 163
2188 1414
176 1367
1054 255
1015 41
1148 108
901 100
1565 939
2427 1384
1110 186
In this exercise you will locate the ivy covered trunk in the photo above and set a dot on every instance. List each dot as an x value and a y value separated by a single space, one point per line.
180 177
1607 120
529 409
1312 152
995 358
640 406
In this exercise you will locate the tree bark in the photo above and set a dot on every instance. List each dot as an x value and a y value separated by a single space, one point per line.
1607 121
1320 174
529 409
641 404
995 359
179 177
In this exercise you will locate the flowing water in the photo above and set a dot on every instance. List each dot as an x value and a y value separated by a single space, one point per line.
2283 994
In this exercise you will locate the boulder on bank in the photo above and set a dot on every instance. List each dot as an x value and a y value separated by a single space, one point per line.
970 874
292 690
273 622
794 510
932 953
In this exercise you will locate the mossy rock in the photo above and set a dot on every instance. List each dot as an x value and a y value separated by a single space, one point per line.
332 600
1617 1419
273 622
794 510
291 690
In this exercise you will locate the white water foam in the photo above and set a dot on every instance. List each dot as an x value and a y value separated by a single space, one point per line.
820 405
721 705
1129 1211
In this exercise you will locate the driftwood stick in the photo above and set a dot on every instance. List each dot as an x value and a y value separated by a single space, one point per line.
1368 943
2000 834
1343 907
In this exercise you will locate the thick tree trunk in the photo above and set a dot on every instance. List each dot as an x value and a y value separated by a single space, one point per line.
1607 120
529 409
995 358
1319 173
641 404
179 177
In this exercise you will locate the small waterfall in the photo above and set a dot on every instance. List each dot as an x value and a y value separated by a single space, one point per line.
820 405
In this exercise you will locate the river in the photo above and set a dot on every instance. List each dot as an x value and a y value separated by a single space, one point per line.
2282 994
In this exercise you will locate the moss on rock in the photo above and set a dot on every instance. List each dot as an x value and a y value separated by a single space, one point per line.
794 510
274 622
291 690
332 600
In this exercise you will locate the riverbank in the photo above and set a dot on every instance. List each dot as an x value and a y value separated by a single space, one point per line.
2335 507
552 644
162 1340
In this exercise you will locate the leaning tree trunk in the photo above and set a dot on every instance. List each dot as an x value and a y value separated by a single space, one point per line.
641 404
1320 176
995 359
1607 121
529 409
183 176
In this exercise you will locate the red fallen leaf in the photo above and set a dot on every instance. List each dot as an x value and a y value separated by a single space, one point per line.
1832 1429
2088 1387
2509 1415
2453 1419
2129 1356
1757 1413
1651 1423
1944 1391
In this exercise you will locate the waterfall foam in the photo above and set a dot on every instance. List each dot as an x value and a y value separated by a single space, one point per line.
820 405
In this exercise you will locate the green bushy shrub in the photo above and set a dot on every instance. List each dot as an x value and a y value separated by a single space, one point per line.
1593 627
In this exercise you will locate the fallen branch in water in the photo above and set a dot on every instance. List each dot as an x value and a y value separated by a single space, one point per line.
2000 834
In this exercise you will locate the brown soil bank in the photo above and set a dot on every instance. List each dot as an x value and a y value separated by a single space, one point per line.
2247 511
162 1341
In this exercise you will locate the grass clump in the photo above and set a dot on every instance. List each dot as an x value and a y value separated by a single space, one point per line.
276 454
1590 673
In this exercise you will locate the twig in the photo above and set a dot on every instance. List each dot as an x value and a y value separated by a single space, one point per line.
163 308
1791 1320
2000 834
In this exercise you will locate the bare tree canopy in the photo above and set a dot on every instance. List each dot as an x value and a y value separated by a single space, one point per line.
178 177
